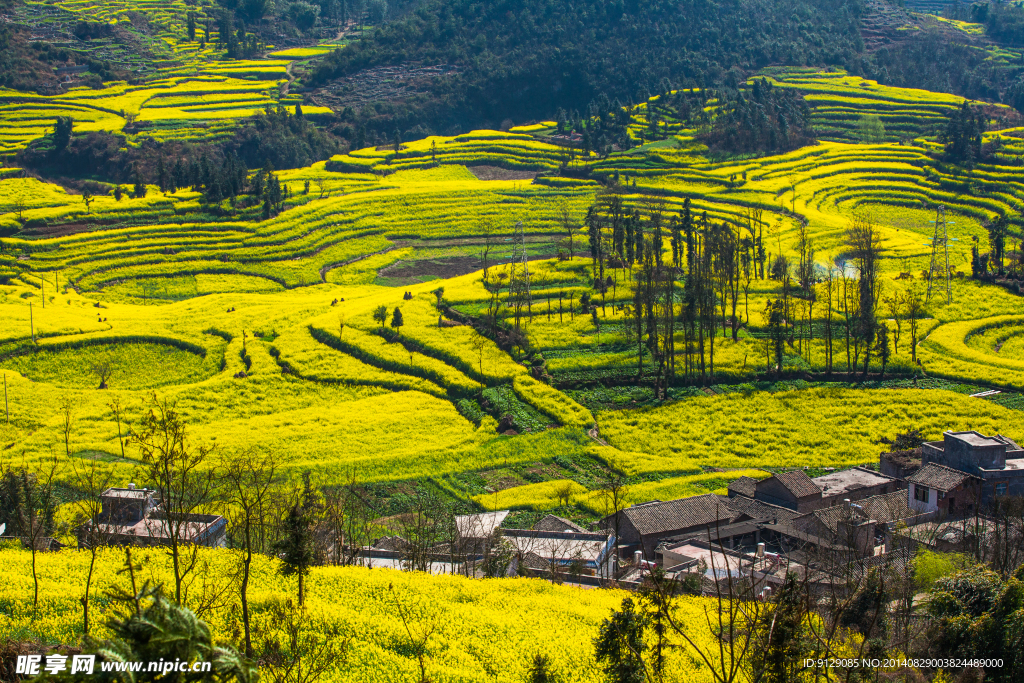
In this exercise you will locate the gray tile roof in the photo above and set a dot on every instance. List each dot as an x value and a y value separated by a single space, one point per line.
744 486
834 514
798 483
674 515
757 509
556 523
939 477
887 507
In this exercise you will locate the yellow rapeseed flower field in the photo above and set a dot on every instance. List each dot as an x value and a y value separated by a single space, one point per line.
481 630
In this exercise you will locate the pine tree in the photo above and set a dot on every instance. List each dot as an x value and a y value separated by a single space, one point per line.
140 186
882 349
295 549
164 630
396 319
619 645
62 129
161 174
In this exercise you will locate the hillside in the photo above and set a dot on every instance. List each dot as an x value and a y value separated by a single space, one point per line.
523 60
394 267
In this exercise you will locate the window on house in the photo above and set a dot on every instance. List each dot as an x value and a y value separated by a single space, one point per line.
1001 488
921 494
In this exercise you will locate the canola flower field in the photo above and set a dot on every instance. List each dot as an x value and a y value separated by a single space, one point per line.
268 333
263 331
481 630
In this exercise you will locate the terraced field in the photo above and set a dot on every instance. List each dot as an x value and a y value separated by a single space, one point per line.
264 330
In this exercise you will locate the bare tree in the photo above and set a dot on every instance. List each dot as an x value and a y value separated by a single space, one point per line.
418 641
480 344
828 289
118 412
91 479
250 475
894 307
490 241
102 371
864 242
185 481
614 491
914 310
312 646
569 225
67 422
31 498
420 529
321 186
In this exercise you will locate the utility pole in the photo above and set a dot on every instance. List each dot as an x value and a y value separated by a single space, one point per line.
939 267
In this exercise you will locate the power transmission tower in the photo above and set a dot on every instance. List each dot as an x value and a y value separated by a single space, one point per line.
938 271
519 274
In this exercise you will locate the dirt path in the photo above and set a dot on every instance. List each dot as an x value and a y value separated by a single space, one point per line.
291 77
593 434
331 266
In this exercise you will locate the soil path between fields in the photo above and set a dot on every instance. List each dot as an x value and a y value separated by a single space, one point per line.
331 266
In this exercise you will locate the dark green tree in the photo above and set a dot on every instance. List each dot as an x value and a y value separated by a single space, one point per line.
295 547
380 314
962 136
882 349
619 646
997 230
780 638
163 631
396 319
540 670
774 314
979 615
140 186
62 128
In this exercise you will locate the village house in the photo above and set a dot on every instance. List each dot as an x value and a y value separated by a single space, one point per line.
643 526
796 491
853 484
860 526
900 464
134 516
476 531
793 490
556 523
937 488
996 461
544 552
